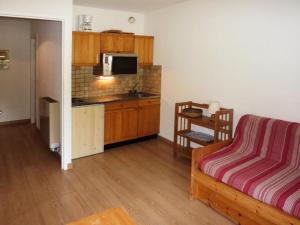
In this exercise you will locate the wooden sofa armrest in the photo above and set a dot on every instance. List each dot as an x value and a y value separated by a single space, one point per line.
199 153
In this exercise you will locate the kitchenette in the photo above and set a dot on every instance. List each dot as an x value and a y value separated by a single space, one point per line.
115 90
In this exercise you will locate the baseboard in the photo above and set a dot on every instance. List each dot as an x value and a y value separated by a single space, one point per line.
132 141
167 141
14 122
70 166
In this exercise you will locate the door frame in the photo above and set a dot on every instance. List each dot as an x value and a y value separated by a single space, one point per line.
65 94
33 75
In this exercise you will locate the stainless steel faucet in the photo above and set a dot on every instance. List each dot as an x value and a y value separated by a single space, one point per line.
135 86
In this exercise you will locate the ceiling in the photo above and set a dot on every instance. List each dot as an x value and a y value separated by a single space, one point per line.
141 6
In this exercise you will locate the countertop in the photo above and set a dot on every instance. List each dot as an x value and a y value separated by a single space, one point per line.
111 98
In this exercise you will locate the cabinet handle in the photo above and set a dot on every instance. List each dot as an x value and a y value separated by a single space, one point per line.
97 58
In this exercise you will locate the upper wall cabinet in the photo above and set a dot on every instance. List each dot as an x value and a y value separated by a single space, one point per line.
143 47
86 48
117 42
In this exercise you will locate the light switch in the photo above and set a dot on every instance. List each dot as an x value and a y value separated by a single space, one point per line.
4 59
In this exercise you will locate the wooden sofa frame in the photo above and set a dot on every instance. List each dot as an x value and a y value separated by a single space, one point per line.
235 205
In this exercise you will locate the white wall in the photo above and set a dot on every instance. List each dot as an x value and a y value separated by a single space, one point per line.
52 10
15 82
49 59
243 53
105 19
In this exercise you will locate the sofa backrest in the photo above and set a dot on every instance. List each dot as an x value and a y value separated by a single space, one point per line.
275 140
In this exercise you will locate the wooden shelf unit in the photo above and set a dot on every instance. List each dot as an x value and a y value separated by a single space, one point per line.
221 126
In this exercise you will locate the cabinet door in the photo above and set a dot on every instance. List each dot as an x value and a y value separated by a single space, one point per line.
149 41
108 42
86 48
112 42
112 125
143 47
129 126
126 43
120 125
149 119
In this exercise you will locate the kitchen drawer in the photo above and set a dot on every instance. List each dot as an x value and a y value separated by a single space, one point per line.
145 102
121 105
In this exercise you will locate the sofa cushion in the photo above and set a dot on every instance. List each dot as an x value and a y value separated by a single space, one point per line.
262 161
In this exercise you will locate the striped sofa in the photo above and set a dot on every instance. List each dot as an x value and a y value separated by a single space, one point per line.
263 161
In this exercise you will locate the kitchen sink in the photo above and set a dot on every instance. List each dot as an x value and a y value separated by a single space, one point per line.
140 94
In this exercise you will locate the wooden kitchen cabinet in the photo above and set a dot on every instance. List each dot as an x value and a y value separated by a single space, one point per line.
149 117
143 47
127 120
112 131
117 42
85 49
88 45
129 123
121 121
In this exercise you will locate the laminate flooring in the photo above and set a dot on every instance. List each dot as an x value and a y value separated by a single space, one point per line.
144 178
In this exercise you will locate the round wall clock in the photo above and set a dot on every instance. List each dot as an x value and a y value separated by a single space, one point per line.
131 19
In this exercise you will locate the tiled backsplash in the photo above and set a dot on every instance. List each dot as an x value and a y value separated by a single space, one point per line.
85 84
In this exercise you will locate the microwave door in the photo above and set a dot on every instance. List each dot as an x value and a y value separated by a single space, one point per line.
124 65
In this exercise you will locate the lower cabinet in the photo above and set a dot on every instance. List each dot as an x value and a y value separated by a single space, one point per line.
149 117
128 120
120 125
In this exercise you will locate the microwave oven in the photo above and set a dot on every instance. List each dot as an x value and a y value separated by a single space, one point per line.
116 64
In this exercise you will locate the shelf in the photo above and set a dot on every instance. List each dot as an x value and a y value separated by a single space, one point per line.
203 121
197 137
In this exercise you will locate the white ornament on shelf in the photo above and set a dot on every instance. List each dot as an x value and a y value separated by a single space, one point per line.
213 107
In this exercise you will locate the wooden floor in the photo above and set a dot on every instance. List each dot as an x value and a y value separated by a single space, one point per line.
144 178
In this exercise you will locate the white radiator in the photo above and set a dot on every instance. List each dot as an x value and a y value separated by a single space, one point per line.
50 122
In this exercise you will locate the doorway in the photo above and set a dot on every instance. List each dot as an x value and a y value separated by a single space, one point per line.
34 71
